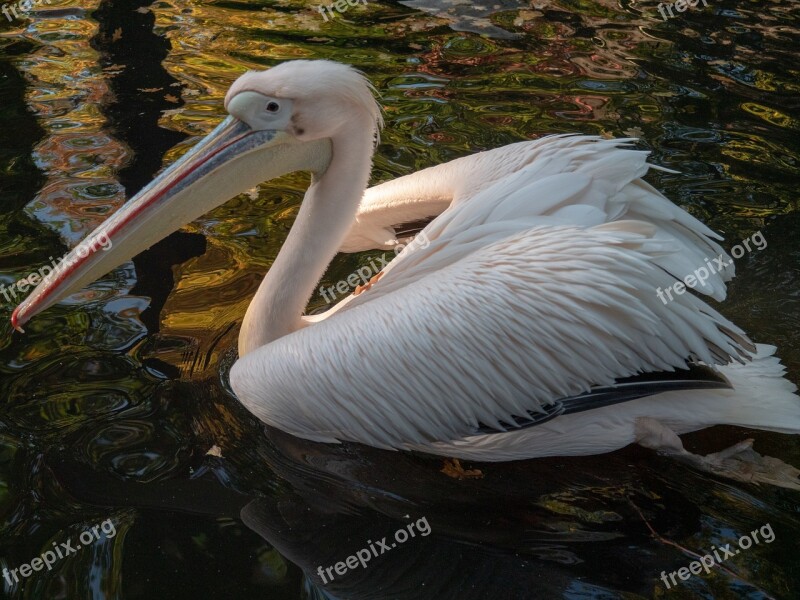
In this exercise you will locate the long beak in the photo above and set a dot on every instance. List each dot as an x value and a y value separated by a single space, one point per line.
229 161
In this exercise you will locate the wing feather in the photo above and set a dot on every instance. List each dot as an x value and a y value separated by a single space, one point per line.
565 179
507 329
537 282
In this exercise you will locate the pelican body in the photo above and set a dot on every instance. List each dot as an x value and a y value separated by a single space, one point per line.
529 323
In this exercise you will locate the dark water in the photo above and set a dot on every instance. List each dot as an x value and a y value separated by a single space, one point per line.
111 400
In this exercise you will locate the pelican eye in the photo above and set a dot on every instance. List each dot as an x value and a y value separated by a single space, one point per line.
273 107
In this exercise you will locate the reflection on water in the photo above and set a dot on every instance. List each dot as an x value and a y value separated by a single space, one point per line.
112 399
548 528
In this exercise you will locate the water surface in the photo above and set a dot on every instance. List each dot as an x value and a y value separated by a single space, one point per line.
112 400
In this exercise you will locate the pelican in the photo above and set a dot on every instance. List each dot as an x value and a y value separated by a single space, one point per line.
527 325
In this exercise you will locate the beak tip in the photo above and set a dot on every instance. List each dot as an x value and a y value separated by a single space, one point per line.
15 321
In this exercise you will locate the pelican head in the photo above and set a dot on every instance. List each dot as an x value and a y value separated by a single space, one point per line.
297 116
308 100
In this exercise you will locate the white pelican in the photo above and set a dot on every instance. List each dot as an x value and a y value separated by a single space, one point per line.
528 326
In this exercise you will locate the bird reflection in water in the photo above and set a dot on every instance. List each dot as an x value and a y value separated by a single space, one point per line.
547 528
